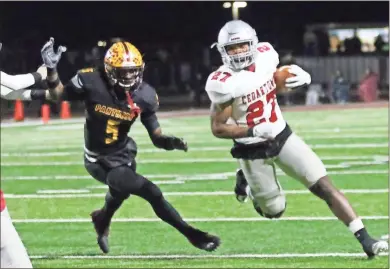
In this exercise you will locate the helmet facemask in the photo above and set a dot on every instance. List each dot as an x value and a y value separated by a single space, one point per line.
129 78
239 60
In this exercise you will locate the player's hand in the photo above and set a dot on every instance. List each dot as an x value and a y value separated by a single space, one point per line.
180 144
49 57
263 130
301 77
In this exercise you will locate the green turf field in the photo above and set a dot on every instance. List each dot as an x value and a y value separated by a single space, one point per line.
50 196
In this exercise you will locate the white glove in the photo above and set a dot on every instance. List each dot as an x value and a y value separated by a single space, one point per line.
49 57
301 77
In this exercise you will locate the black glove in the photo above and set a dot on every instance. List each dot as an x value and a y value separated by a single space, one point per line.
169 142
179 143
49 57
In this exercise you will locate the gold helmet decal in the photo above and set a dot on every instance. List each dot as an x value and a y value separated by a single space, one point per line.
123 54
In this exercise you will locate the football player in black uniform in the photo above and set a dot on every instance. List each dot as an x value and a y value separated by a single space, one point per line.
115 96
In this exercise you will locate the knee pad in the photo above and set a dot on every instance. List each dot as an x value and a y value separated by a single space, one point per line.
271 207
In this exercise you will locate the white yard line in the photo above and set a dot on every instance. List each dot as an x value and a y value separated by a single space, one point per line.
62 191
184 177
209 256
253 219
79 153
196 193
190 160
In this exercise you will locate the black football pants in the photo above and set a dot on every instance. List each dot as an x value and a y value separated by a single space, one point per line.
124 181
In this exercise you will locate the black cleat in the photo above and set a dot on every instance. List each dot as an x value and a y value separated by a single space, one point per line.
204 240
373 247
241 189
101 225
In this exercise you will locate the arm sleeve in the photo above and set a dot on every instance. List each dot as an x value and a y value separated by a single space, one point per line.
150 121
218 92
18 82
151 104
74 89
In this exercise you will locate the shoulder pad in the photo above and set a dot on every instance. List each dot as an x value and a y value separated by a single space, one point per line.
148 97
267 48
218 87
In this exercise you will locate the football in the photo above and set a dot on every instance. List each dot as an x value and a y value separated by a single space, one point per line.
280 76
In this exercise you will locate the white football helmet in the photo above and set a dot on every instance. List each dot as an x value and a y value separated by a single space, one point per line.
236 32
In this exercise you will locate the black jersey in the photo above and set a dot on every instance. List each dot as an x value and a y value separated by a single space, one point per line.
110 113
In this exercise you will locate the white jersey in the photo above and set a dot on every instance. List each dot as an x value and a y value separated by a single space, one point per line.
253 91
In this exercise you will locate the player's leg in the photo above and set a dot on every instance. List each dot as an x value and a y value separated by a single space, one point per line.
124 179
13 252
265 191
299 161
101 218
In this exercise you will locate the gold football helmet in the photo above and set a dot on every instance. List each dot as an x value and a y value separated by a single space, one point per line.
124 65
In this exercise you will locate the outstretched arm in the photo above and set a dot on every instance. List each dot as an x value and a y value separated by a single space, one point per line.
13 86
150 121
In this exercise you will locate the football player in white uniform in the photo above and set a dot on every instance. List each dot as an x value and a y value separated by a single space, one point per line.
243 91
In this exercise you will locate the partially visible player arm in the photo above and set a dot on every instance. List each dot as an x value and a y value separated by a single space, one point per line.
17 82
220 113
73 90
167 142
13 86
150 121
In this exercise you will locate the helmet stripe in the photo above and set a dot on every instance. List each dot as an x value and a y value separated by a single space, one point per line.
126 49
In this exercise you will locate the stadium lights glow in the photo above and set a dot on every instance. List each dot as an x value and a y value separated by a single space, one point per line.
239 4
235 7
227 5
102 43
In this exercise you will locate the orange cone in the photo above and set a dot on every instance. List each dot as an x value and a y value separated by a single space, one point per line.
65 110
19 110
45 112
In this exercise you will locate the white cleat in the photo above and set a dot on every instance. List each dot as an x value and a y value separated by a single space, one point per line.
375 247
379 247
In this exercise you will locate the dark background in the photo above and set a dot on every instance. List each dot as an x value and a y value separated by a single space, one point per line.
81 24
175 37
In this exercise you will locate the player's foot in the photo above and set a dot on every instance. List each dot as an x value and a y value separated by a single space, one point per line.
101 224
373 247
203 240
241 189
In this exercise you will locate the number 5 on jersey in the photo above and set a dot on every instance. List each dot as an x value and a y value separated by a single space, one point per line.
112 130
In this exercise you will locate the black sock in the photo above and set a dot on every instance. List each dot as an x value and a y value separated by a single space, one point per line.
165 211
362 235
111 205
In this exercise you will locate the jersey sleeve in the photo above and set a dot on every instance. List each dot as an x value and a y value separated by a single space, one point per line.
265 47
74 89
149 106
218 91
17 82
148 98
